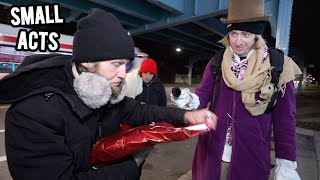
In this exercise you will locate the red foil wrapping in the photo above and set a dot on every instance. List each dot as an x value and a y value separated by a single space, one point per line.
131 140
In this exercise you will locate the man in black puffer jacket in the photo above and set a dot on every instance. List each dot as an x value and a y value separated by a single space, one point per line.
61 105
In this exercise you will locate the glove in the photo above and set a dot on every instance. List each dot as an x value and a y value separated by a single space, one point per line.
286 170
184 99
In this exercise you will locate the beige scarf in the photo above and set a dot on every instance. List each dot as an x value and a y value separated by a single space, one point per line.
257 78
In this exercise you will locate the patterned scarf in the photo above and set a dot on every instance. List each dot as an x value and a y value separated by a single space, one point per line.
257 78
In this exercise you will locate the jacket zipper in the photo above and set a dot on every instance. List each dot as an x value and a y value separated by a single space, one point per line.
148 94
76 158
99 125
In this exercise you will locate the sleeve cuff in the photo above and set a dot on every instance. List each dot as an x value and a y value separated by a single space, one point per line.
286 170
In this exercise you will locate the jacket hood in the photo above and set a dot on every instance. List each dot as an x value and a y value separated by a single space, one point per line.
37 73
40 74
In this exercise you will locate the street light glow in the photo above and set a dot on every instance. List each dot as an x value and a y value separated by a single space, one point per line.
178 49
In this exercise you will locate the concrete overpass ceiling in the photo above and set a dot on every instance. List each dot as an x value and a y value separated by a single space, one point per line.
190 24
186 22
166 40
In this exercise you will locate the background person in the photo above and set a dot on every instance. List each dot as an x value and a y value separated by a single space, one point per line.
153 93
133 79
153 89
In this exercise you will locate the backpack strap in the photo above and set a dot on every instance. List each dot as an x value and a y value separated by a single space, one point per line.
217 73
276 60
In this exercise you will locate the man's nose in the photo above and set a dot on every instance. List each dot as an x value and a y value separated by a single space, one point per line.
239 40
122 72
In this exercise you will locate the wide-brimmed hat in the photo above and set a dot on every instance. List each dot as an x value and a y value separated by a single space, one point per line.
241 11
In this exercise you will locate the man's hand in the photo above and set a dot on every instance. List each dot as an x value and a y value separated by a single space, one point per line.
201 116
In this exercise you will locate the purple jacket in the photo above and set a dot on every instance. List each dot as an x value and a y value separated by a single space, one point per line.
251 135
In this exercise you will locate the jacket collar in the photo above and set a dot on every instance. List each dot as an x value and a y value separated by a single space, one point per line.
33 77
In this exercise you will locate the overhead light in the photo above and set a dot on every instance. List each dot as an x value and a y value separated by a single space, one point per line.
178 49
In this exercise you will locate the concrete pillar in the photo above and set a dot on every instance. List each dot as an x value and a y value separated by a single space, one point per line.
300 85
190 73
283 25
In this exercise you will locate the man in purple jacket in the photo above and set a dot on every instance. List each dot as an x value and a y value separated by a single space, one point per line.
240 146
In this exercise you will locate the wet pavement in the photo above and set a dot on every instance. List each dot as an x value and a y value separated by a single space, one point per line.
172 161
166 164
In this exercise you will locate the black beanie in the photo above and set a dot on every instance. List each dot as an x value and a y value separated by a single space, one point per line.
100 37
252 27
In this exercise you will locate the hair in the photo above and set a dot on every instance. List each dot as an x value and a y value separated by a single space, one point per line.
92 69
225 40
154 75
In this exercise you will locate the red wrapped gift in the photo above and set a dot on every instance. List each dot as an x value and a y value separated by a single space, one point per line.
131 140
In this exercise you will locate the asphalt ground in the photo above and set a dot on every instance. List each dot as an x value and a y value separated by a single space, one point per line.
172 161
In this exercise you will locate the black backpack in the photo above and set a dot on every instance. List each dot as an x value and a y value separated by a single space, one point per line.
276 60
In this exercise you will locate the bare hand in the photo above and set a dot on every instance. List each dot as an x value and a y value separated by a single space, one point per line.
201 116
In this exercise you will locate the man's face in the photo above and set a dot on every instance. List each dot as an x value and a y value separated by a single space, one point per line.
147 77
115 72
241 42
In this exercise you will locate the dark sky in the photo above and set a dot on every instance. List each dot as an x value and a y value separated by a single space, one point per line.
301 29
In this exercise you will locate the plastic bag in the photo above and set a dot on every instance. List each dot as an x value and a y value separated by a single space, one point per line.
131 140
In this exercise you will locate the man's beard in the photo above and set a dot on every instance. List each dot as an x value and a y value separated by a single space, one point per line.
117 90
95 91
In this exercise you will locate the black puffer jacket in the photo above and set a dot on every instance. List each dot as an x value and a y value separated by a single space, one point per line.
153 93
50 132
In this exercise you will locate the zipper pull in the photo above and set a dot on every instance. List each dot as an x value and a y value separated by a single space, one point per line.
48 95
